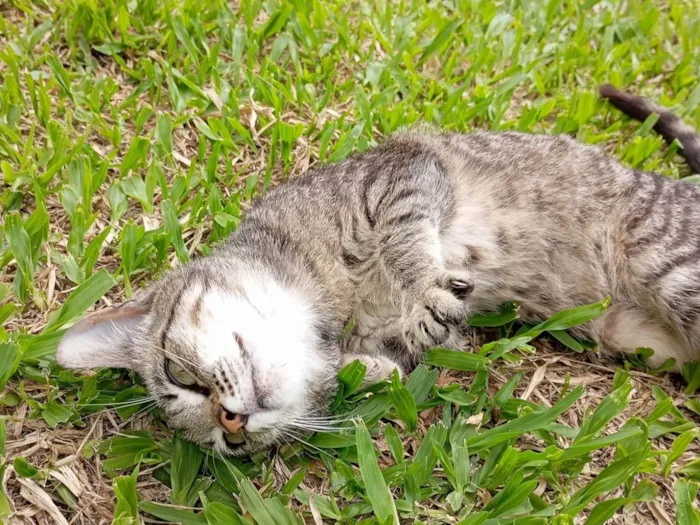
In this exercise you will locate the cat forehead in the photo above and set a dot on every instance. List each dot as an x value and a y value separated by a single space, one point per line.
255 297
256 313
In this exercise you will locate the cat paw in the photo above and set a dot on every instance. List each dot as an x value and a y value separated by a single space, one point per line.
379 367
431 321
458 283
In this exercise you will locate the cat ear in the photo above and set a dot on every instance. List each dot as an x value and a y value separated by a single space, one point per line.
105 338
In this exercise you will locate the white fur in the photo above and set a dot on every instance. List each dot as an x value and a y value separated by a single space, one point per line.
276 326
97 346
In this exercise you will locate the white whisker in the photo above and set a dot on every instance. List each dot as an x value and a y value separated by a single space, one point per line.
317 428
179 358
121 404
299 438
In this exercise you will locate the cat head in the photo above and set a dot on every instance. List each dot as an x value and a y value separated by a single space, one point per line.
233 361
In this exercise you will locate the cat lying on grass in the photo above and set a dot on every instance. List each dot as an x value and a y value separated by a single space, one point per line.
242 347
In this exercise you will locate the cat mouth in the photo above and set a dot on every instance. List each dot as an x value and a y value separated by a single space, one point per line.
234 441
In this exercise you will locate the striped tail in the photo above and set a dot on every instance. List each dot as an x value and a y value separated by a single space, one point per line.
669 126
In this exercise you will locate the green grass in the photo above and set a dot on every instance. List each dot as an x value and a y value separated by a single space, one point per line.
133 136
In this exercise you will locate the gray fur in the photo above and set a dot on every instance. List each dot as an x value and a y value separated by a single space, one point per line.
412 236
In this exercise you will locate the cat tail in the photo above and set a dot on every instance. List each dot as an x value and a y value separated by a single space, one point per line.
669 126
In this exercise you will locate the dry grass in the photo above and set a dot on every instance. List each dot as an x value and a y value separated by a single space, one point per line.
73 486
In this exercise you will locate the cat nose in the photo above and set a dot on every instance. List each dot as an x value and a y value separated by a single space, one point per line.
233 423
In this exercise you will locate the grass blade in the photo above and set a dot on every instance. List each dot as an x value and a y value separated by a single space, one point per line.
375 486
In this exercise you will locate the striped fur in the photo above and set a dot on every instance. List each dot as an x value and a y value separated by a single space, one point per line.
407 239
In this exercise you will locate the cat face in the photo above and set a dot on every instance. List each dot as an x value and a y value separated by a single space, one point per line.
236 363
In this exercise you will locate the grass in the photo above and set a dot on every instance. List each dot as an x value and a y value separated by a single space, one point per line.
133 135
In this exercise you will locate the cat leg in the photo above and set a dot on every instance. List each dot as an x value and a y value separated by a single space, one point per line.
432 298
379 367
624 329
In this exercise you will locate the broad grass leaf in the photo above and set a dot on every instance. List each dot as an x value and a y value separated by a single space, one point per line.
375 486
686 493
172 223
186 462
646 490
567 340
332 441
440 39
425 458
277 21
497 349
172 514
612 405
462 467
463 361
570 318
403 402
610 478
393 440
533 421
680 445
92 252
255 503
691 374
421 382
135 187
87 294
10 358
20 244
24 469
39 346
456 395
135 155
446 463
164 135
507 313
475 518
577 449
505 467
54 414
505 393
511 497
127 510
294 481
3 437
351 376
691 469
373 409
281 514
603 511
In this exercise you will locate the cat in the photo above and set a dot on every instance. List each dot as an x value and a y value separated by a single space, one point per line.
241 349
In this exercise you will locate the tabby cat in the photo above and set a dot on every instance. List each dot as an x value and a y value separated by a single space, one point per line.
241 348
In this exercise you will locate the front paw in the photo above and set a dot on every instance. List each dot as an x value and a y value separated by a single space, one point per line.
379 367
433 319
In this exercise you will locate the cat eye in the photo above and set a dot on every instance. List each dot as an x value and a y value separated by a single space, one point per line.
179 375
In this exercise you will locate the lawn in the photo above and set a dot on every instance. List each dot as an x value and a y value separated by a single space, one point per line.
134 134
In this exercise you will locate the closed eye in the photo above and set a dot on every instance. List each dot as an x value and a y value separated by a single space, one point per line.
182 378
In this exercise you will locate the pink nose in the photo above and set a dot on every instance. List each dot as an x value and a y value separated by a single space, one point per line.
233 423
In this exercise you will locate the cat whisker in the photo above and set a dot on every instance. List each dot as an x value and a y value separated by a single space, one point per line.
152 403
327 420
298 438
138 413
334 423
179 358
129 402
318 428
